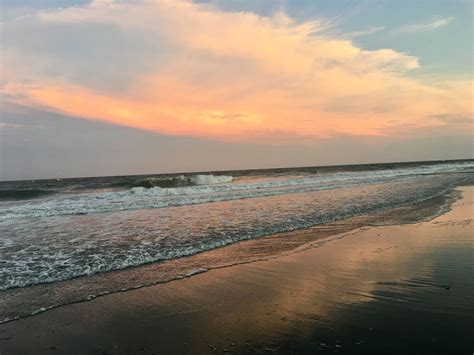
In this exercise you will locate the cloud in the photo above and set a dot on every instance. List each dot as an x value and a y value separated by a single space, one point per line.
187 69
371 30
16 125
12 9
422 27
69 147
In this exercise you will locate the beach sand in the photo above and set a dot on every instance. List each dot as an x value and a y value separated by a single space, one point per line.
392 289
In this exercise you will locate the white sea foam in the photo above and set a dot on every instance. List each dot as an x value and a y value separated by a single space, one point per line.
211 179
209 188
69 238
182 181
59 247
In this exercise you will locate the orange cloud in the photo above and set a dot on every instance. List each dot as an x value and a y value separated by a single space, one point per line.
189 69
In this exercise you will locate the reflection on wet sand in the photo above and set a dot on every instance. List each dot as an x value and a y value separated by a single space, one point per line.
21 302
394 289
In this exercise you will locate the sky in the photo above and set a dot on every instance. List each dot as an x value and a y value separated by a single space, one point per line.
110 87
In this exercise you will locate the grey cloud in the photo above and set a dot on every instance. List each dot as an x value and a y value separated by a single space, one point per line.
12 9
93 54
67 147
455 118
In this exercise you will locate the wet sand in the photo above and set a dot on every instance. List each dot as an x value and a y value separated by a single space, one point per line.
393 289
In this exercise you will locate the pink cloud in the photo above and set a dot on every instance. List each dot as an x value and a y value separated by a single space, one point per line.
181 68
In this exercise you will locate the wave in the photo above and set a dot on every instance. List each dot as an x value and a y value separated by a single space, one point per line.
210 188
185 232
17 303
23 194
181 181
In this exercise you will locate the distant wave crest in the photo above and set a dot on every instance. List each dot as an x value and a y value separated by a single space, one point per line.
23 194
182 181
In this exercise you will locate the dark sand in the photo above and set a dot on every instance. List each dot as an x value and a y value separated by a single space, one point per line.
394 289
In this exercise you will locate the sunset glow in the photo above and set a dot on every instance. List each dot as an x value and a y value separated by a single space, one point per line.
186 69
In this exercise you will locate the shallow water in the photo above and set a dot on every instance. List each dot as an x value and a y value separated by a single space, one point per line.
66 235
395 290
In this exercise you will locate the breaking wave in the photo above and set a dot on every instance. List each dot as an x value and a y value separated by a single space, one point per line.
199 189
56 249
182 181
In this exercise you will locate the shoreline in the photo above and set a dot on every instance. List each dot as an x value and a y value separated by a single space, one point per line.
242 252
216 299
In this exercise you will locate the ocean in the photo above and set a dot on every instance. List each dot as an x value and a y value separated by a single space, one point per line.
69 240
